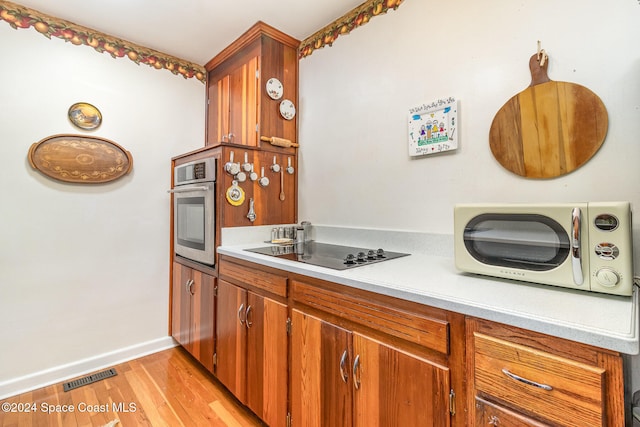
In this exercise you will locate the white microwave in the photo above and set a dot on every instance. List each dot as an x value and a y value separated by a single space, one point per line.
194 210
585 246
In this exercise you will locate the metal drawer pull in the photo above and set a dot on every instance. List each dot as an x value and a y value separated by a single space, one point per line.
240 310
526 381
343 362
356 367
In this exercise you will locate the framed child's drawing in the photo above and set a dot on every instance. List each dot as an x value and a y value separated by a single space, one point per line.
433 127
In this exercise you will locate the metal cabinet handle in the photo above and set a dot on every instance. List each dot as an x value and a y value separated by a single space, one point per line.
526 381
343 362
246 316
240 311
186 190
356 367
188 285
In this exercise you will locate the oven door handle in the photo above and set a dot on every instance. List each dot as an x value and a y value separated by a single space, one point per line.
185 190
576 249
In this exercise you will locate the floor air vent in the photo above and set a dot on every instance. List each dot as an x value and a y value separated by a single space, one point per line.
89 379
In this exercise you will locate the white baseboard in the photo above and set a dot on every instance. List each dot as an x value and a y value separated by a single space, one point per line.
62 373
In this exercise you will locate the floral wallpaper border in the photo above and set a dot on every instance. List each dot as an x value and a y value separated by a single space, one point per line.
344 25
22 17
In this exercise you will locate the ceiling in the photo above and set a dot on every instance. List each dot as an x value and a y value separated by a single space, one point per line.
194 30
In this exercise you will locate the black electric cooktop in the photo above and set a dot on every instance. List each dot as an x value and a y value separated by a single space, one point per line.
326 255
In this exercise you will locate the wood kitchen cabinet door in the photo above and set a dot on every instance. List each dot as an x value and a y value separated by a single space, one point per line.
231 338
267 360
192 312
252 351
181 305
203 318
321 377
395 388
233 104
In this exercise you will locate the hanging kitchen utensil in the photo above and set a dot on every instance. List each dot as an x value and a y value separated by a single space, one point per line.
263 181
235 194
282 185
231 167
275 167
290 168
251 216
252 175
279 142
550 128
246 166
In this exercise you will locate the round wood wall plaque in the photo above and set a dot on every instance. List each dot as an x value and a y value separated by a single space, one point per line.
80 159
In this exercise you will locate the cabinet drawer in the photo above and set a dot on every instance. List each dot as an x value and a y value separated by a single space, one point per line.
562 391
489 414
409 326
261 279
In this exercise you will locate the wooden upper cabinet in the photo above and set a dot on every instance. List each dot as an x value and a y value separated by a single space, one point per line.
233 110
239 108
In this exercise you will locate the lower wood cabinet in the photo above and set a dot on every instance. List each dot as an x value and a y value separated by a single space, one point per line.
252 346
344 378
300 351
523 378
193 312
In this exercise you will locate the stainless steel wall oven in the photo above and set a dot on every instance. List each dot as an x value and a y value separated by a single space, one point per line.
194 210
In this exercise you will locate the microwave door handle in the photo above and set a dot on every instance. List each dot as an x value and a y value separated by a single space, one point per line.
576 250
185 190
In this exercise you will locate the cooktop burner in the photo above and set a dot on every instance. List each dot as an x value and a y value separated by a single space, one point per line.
326 255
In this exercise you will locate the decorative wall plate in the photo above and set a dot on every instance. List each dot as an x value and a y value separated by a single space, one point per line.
287 109
85 116
80 159
274 88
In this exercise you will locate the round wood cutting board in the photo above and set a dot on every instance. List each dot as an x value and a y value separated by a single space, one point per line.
549 129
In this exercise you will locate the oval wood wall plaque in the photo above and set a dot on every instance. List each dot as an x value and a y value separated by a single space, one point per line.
80 159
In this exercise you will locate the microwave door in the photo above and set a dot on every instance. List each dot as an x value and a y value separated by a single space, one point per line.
523 241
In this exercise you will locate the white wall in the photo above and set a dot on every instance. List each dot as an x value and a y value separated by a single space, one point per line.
355 97
84 268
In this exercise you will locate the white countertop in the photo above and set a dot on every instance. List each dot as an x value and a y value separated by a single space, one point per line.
604 321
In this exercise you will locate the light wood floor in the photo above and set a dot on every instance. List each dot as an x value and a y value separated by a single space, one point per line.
168 388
